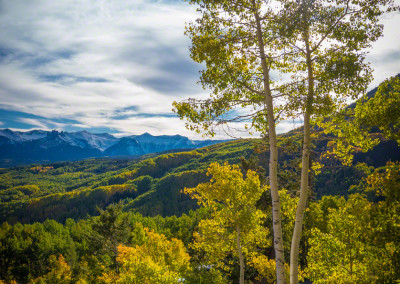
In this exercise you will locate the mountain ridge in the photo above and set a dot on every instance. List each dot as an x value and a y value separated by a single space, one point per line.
40 146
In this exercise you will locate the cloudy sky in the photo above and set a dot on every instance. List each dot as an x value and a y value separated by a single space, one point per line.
112 66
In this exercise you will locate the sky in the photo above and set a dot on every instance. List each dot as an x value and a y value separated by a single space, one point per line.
113 66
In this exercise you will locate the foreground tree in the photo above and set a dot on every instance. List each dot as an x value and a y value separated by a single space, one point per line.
158 260
328 41
238 44
322 43
109 230
235 226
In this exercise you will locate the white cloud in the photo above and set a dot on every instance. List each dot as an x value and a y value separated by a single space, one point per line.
35 122
385 53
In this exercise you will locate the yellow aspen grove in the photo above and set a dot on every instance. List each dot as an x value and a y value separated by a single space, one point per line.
235 226
159 260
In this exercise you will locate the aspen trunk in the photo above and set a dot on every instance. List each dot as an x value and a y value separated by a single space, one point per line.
273 161
298 227
305 168
241 260
276 205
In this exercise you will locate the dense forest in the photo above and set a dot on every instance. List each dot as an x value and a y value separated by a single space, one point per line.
152 186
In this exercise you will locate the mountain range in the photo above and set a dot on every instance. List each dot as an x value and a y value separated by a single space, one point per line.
40 146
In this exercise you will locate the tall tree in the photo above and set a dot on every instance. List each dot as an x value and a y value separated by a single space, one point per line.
109 230
321 43
328 41
235 226
237 42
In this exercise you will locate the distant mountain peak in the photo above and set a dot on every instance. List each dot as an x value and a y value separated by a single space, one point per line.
17 147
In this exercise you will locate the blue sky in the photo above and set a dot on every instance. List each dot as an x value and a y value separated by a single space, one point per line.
112 66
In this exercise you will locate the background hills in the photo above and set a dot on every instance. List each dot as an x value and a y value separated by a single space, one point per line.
152 184
39 146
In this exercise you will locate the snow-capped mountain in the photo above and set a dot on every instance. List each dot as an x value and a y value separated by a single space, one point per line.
81 139
38 146
147 143
99 141
21 148
19 136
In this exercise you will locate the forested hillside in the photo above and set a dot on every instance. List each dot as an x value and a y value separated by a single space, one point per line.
101 249
152 185
75 189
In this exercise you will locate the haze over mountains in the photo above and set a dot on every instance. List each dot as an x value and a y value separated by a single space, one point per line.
39 146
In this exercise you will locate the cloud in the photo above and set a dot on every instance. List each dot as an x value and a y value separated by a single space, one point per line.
385 53
141 41
35 123
89 59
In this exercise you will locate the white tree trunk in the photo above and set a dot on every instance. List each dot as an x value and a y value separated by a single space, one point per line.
298 226
240 254
305 169
273 160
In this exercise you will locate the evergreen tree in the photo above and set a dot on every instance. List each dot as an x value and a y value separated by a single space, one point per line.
109 230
